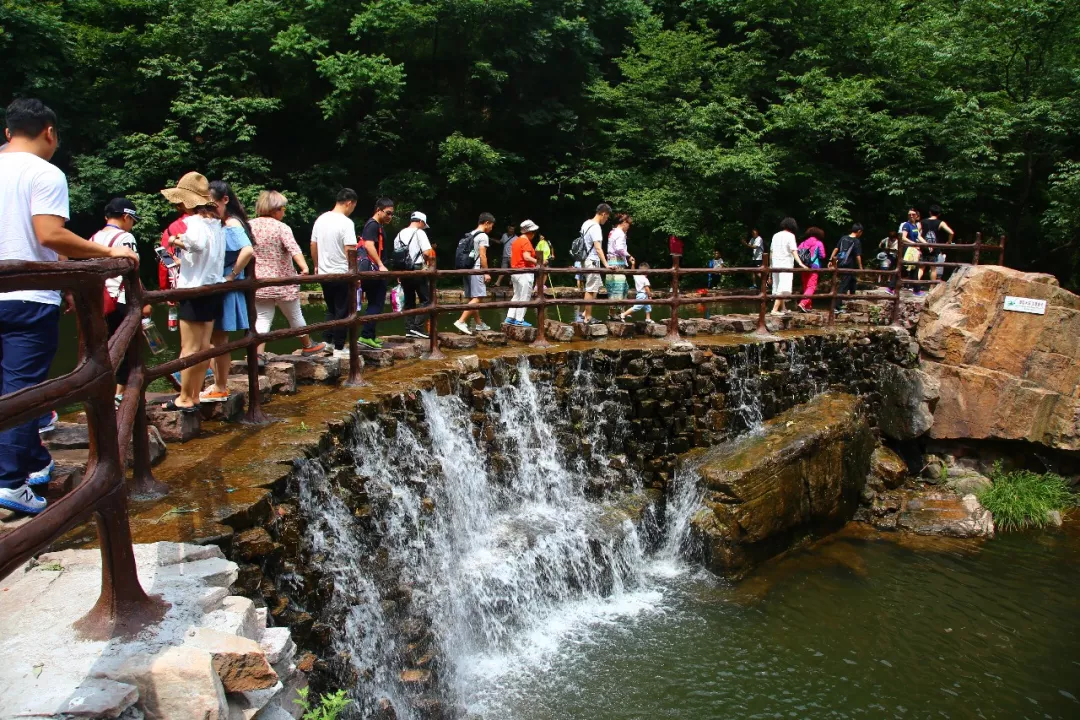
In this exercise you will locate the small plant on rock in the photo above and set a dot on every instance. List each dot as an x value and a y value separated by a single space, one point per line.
329 707
1023 499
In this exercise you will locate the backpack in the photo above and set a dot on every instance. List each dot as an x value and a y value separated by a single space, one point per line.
845 248
464 256
806 257
401 259
112 303
581 247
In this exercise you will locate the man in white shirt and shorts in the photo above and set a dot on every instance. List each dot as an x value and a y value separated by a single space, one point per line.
594 235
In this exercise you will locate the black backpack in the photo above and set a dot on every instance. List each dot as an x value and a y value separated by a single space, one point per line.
400 259
806 256
580 248
464 258
845 248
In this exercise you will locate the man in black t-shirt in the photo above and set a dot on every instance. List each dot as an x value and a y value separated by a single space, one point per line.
848 254
369 258
935 230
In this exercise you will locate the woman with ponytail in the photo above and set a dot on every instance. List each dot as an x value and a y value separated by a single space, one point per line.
238 253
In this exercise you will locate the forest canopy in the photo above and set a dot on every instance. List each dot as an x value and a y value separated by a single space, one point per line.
702 118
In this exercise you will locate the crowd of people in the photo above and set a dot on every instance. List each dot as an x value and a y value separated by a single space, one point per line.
213 241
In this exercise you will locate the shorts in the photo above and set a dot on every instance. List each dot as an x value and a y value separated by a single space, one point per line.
475 287
203 309
781 283
593 281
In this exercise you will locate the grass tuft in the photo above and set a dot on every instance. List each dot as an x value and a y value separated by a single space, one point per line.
1022 499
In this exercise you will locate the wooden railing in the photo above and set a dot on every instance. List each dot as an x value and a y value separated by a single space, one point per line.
123 606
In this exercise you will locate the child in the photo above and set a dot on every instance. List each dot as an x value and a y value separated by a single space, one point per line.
715 262
644 292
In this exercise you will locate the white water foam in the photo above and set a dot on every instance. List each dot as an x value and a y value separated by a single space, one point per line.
511 570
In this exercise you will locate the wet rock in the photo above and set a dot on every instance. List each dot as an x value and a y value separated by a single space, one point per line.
491 338
67 436
239 662
945 513
888 466
558 332
594 331
174 426
518 333
909 397
254 544
229 410
620 329
764 492
416 677
651 329
282 376
456 341
933 469
372 358
239 384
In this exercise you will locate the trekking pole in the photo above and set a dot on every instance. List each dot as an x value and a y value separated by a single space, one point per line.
558 312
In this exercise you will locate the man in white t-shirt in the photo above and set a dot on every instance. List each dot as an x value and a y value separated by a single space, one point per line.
594 234
476 285
414 241
333 245
33 210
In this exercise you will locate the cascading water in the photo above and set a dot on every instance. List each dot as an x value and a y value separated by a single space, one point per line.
505 560
745 381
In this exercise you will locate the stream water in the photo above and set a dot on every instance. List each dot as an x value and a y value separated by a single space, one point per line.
546 605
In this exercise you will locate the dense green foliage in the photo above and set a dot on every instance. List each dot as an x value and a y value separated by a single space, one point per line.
700 117
1021 499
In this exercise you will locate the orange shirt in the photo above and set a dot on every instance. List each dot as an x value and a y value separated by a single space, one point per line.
518 248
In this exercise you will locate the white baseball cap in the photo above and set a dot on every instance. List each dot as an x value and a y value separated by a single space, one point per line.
529 226
421 217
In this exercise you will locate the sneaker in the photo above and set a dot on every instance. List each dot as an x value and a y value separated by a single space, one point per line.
595 321
48 423
21 499
524 323
414 333
919 293
371 343
462 328
579 318
42 476
802 308
482 327
341 353
625 318
313 349
510 321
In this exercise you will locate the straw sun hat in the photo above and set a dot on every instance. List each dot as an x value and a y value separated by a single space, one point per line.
192 191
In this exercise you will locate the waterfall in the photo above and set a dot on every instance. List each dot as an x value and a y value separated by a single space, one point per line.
746 388
504 555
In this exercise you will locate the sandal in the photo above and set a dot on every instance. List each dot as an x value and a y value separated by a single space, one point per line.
171 406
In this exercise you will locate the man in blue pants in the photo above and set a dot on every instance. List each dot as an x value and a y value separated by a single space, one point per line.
33 210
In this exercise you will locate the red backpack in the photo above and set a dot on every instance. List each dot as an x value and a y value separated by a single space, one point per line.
112 303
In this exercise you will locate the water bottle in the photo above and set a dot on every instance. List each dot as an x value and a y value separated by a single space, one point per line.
174 318
153 337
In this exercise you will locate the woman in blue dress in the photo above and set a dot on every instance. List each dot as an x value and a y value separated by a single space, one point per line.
234 314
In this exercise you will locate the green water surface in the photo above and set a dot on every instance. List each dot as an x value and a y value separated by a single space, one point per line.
856 629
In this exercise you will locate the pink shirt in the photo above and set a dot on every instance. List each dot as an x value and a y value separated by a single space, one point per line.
274 248
810 244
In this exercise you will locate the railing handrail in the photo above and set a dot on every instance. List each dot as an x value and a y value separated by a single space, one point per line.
122 602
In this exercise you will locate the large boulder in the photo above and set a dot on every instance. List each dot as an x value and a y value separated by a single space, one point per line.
908 399
764 492
1003 375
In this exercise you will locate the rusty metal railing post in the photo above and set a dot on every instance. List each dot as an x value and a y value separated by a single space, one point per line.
434 351
354 326
673 321
143 483
255 415
978 246
898 282
833 294
763 296
541 340
1001 251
